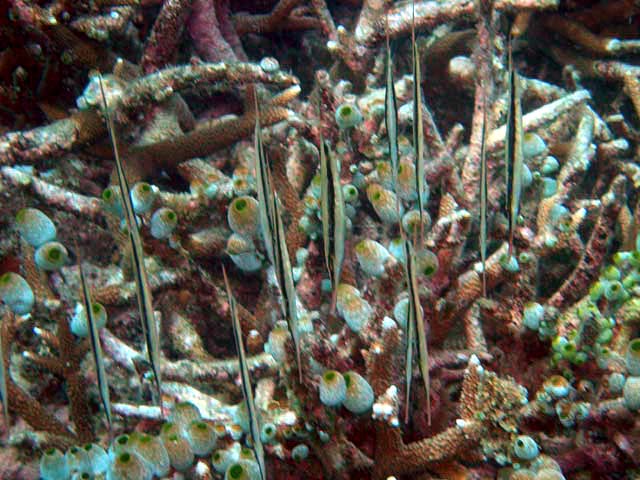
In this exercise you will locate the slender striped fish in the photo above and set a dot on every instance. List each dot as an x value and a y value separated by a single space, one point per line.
285 280
483 201
265 193
96 349
275 239
145 300
415 323
513 147
334 225
3 379
418 133
247 389
391 111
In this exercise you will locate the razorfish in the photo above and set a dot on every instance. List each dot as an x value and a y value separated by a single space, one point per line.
145 299
513 154
418 133
391 114
415 326
247 390
483 201
96 349
334 223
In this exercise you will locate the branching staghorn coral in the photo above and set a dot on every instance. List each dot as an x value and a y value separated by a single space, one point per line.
538 380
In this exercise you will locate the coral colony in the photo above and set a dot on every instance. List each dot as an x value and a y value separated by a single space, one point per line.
319 239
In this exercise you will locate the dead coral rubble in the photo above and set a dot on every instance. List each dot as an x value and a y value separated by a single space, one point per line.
538 379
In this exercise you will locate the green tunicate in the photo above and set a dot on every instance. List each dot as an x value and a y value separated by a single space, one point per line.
596 291
632 357
127 466
605 336
611 273
614 291
350 193
348 116
243 217
631 393
620 258
634 259
152 451
51 256
201 437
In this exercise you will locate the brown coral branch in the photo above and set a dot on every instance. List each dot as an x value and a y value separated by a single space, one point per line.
587 269
162 43
587 40
280 18
21 402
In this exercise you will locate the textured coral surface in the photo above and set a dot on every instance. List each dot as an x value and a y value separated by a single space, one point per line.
532 369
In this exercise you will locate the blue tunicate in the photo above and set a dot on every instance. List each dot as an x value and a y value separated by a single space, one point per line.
163 223
300 452
532 315
333 388
549 166
509 263
557 213
549 187
16 293
532 145
396 248
268 432
142 197
112 200
525 447
616 382
53 465
35 227
78 322
98 459
527 176
359 397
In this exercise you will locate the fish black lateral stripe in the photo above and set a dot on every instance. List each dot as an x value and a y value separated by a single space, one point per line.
483 201
423 351
247 389
418 133
143 291
408 356
391 110
513 146
96 349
